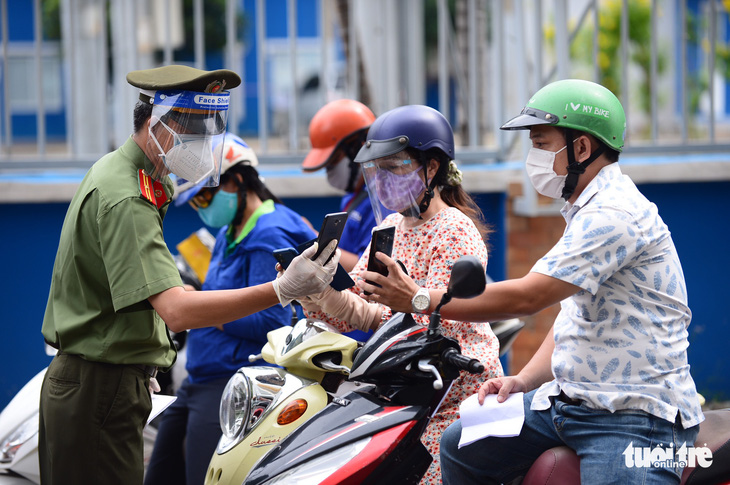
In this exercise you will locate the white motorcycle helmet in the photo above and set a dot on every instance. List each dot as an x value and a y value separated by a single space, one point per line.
232 151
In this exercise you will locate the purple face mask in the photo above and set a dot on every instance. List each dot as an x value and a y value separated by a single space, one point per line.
398 192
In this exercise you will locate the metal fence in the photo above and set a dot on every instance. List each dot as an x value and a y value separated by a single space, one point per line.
65 101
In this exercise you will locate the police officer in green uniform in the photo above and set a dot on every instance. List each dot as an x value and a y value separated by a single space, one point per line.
115 290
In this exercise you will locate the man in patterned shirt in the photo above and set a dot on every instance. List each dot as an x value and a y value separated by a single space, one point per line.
612 374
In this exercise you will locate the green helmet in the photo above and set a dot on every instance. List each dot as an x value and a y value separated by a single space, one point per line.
576 104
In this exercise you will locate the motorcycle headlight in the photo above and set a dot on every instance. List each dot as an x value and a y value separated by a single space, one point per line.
235 406
315 471
12 443
251 395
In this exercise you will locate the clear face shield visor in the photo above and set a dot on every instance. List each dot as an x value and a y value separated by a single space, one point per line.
184 127
394 183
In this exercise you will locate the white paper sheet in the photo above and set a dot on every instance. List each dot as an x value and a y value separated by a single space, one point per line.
492 418
160 402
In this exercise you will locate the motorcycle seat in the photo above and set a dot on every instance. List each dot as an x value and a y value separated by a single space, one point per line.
561 466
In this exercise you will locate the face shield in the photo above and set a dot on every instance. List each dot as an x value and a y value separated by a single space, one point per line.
184 128
394 183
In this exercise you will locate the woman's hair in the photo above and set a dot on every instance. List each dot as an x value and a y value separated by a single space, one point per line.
251 182
453 195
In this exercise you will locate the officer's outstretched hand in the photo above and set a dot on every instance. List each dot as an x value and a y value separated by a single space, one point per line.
305 276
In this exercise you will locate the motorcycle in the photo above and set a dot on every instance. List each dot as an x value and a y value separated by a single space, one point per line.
231 462
261 405
372 433
19 432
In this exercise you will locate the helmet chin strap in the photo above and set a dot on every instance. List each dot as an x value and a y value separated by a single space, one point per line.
427 196
354 172
413 211
575 168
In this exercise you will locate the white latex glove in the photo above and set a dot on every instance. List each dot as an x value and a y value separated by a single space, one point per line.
304 276
351 308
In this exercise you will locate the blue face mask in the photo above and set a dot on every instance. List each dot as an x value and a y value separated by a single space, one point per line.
221 209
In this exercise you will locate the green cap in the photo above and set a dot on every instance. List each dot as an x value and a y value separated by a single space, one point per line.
576 104
182 78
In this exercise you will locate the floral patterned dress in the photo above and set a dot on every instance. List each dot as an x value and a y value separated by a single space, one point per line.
429 252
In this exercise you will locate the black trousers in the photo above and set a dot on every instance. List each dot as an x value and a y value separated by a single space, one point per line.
91 420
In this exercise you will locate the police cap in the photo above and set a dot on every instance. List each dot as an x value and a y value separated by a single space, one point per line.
184 78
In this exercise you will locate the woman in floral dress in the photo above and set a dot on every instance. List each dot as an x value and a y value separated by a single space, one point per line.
409 169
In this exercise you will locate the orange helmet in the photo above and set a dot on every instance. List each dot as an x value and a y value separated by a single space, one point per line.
335 124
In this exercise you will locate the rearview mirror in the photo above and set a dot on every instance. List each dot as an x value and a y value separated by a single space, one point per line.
468 278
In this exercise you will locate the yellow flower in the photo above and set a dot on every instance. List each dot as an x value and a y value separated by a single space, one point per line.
604 40
550 32
603 60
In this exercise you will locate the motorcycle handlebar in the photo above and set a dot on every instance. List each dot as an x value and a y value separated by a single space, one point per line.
453 357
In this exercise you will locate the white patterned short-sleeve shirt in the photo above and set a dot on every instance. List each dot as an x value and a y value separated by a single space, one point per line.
621 342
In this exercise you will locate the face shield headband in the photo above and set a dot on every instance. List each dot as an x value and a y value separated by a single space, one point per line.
184 126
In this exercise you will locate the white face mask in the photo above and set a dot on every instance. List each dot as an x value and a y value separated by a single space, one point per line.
338 175
191 159
539 166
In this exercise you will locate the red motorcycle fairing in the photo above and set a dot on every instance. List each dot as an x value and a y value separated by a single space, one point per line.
366 462
346 420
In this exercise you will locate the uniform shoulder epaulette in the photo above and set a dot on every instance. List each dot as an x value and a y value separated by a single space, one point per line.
151 190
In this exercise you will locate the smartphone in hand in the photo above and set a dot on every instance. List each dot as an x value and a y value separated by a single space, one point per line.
332 228
382 242
285 256
341 280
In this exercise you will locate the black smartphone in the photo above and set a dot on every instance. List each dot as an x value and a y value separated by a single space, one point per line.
382 242
341 280
332 228
284 256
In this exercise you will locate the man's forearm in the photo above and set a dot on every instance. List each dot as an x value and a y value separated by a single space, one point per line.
182 310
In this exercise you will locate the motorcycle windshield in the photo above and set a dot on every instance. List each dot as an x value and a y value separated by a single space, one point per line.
391 339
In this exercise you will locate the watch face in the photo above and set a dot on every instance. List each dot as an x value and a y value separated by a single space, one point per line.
420 302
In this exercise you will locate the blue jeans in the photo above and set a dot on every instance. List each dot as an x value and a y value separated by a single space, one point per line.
598 437
188 435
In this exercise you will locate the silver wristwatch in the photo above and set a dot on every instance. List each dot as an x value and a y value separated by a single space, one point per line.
421 301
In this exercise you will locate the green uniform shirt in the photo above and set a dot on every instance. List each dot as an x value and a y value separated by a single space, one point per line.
111 257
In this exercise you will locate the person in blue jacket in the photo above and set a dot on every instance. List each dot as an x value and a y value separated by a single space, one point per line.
252 223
